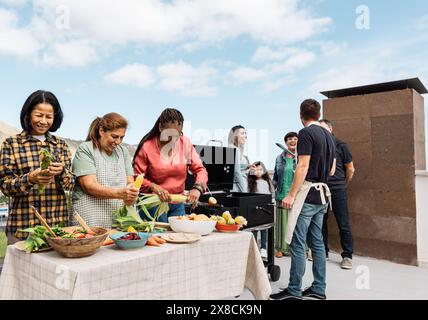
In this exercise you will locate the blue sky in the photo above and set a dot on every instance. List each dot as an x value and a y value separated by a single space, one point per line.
221 63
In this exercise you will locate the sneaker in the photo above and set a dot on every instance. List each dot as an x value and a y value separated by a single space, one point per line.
263 253
284 295
309 293
346 264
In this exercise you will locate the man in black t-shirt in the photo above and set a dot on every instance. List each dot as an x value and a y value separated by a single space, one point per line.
307 204
338 186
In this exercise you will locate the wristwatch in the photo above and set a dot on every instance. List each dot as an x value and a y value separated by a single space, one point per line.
199 187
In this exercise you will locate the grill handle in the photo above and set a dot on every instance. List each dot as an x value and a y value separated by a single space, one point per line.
263 209
211 142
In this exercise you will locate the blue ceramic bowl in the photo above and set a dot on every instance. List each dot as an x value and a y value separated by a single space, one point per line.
130 244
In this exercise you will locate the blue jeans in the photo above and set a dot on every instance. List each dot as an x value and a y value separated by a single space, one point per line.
309 226
263 238
174 210
339 199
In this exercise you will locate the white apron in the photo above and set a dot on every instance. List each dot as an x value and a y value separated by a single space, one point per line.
100 212
296 209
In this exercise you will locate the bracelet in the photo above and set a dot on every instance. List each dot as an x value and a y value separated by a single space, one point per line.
198 187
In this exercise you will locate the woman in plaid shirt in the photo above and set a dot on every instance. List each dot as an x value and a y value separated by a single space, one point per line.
20 173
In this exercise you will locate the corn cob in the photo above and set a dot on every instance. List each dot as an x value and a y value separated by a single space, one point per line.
139 181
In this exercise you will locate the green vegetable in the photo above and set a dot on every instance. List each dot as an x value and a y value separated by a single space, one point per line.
36 239
46 160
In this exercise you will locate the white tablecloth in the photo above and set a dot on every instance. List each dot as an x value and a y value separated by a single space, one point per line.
219 266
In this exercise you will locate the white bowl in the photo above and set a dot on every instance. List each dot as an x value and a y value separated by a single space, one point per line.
189 226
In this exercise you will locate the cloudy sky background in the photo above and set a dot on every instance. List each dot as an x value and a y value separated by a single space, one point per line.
220 62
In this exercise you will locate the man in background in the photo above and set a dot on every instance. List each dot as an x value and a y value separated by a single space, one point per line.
338 187
307 204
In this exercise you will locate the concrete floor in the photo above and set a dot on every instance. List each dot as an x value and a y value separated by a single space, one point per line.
370 279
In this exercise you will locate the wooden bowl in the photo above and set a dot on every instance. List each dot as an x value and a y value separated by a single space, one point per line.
79 248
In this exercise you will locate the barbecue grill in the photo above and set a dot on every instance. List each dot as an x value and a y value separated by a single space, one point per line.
258 209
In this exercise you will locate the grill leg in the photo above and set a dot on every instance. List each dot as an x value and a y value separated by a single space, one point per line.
271 246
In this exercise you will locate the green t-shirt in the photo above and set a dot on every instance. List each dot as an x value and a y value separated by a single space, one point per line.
84 163
287 180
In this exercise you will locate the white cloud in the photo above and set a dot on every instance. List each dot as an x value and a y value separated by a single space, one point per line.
178 77
242 75
75 53
265 53
299 59
15 41
347 76
186 79
372 64
331 48
273 85
190 25
154 22
14 3
422 23
284 58
134 74
282 61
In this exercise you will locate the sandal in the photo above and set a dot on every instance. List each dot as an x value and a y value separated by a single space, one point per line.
279 254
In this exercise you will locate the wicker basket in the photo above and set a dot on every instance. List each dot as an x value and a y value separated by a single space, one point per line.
79 248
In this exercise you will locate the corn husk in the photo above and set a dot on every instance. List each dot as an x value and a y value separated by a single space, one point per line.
149 201
128 217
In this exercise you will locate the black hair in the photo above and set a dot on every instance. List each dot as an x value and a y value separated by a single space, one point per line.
252 179
289 135
167 116
327 122
33 100
310 109
237 127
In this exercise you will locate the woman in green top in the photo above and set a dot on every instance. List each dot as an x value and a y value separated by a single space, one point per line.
283 179
104 172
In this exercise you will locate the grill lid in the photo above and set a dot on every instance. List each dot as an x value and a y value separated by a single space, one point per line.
220 164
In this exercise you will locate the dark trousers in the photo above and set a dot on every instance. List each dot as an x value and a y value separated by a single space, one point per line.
339 199
263 238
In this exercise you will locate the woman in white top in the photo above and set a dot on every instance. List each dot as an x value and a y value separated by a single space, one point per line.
237 139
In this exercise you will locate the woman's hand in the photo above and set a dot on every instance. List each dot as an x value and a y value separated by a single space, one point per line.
56 168
41 177
251 167
163 194
130 195
193 196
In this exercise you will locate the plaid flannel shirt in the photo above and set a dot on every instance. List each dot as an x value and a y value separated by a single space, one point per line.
19 156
